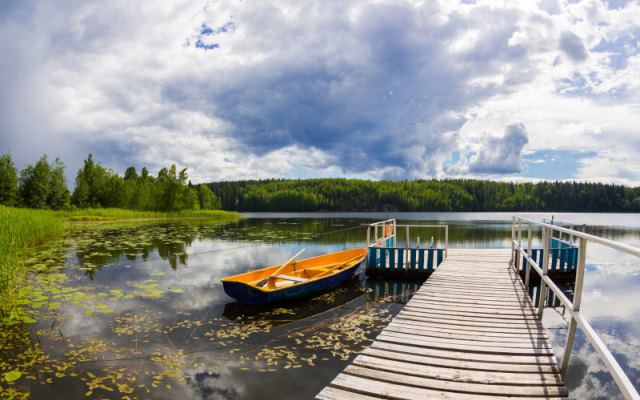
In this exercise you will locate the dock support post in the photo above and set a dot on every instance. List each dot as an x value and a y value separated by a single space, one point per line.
529 254
545 269
577 298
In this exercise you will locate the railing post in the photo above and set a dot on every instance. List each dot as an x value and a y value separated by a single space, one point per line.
529 254
368 244
577 299
407 251
513 236
395 233
517 254
571 236
446 240
545 268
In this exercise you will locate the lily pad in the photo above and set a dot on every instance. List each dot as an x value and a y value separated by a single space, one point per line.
12 376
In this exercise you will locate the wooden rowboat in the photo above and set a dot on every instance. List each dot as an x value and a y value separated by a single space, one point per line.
297 279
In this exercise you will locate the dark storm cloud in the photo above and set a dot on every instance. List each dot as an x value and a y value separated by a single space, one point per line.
389 99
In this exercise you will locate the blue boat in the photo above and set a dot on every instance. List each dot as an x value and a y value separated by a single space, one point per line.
295 279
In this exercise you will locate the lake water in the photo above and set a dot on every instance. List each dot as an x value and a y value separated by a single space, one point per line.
137 310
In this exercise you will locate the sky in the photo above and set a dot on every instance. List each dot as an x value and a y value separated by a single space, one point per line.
503 90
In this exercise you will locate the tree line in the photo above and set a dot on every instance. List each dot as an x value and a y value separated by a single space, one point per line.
338 194
44 185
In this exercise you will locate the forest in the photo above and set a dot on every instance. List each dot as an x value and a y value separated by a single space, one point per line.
44 185
338 194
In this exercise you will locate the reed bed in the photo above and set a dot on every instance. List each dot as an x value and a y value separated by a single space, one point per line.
101 214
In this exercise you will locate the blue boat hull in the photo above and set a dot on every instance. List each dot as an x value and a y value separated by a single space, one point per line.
250 295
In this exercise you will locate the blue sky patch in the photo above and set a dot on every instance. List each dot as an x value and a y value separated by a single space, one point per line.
553 164
201 45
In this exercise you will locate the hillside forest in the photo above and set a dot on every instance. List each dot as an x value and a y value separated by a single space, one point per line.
337 194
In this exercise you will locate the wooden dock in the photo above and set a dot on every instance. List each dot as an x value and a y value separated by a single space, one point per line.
470 332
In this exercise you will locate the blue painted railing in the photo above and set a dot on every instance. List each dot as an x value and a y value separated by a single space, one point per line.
392 259
564 257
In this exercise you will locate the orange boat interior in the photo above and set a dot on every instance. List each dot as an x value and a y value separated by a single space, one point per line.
303 271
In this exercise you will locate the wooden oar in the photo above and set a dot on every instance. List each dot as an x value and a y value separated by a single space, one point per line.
334 268
265 280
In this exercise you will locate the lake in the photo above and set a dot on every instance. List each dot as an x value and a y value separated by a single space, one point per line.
137 310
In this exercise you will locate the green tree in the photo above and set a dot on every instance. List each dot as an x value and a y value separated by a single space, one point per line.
35 184
58 190
8 181
131 173
208 200
144 173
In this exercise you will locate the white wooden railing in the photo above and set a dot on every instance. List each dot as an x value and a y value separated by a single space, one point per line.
577 319
391 223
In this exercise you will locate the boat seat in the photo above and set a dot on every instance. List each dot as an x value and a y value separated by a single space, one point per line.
291 278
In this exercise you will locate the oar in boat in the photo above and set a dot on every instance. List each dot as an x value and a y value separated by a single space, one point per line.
334 268
265 280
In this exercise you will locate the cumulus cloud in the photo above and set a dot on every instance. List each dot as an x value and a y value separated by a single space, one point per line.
381 89
494 155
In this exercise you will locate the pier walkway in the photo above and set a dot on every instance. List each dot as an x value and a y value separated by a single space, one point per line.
470 332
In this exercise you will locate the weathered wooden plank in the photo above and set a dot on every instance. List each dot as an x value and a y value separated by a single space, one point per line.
457 386
462 312
517 344
330 393
457 374
435 303
476 322
420 331
466 356
477 289
482 300
472 304
475 312
454 294
467 328
437 328
394 391
473 348
491 321
394 354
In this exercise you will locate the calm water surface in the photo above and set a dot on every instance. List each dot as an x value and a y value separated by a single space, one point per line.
138 310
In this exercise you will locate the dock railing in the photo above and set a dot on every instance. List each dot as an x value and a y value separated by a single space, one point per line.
577 319
384 237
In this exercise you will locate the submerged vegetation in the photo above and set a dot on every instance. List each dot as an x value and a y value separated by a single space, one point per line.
337 194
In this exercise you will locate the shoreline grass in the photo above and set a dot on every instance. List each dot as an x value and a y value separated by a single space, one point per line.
112 214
